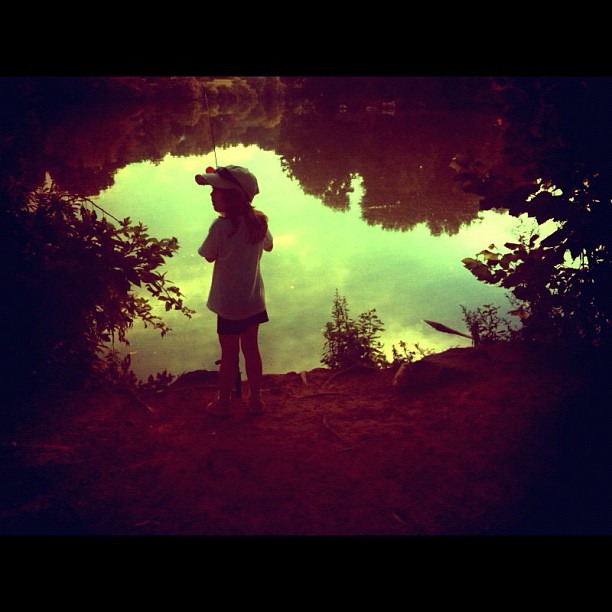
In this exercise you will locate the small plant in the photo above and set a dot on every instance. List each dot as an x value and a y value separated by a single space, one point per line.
116 371
485 325
76 281
349 342
404 355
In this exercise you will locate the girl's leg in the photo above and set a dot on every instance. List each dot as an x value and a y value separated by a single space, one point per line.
252 359
230 348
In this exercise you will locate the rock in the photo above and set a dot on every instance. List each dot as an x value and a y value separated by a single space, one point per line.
198 377
433 371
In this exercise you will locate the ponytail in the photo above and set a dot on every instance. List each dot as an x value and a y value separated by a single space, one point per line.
256 221
257 225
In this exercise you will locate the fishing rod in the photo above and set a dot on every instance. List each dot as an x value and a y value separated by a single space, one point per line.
212 135
238 381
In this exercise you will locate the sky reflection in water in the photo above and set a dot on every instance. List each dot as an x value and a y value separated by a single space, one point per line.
406 276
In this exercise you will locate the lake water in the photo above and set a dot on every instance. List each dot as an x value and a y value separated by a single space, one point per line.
407 274
356 176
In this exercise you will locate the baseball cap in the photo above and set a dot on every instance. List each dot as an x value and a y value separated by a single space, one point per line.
230 177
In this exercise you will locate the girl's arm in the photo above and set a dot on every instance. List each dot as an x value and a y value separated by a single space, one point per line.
209 248
268 244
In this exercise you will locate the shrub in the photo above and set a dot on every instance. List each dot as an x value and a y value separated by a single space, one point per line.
556 167
402 354
72 274
485 325
349 342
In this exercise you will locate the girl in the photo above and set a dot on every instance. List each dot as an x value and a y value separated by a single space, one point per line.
235 243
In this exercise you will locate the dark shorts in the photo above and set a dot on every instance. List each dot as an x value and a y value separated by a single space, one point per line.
227 327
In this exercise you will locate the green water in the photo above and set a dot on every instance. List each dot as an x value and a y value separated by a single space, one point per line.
407 276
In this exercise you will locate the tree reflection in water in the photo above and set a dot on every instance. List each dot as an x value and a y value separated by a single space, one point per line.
407 276
382 160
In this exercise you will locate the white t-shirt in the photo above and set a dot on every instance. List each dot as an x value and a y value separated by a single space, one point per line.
237 289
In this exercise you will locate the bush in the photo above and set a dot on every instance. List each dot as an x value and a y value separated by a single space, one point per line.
556 135
349 342
72 275
486 325
402 354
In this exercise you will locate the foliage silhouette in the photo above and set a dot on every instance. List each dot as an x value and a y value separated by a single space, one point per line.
402 354
558 134
77 281
81 130
350 342
402 158
401 161
486 325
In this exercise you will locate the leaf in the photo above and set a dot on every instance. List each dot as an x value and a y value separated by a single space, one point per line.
507 259
478 269
447 330
489 255
524 294
148 277
132 276
470 262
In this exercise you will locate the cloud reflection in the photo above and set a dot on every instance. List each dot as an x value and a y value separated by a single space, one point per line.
406 276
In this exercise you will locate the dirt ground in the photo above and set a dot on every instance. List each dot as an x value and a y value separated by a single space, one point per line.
495 440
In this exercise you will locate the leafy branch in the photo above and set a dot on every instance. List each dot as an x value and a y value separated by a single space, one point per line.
78 279
556 168
350 342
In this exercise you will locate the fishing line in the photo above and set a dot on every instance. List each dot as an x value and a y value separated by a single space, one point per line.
238 381
212 135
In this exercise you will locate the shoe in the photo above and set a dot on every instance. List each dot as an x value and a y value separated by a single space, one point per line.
217 409
256 407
